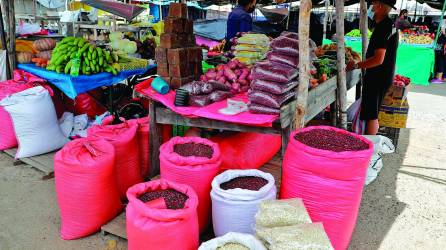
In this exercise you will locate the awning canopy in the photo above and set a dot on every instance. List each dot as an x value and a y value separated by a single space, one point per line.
127 11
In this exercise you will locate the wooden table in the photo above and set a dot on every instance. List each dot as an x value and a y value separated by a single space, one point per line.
318 99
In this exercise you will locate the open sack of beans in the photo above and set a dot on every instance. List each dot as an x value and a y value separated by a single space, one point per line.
127 164
86 186
162 215
195 162
247 150
233 241
326 167
236 195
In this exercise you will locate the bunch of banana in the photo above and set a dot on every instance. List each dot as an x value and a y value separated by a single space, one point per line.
92 59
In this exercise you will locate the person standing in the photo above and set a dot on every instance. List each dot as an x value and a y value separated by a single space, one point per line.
379 63
240 19
401 22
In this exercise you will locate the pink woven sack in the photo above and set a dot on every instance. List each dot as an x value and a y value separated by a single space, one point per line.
86 186
127 164
160 228
330 184
196 172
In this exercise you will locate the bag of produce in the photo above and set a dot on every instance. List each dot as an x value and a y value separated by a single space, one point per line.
236 195
273 87
162 215
326 167
302 236
274 72
247 150
256 108
127 165
35 122
195 162
285 45
292 61
142 135
270 100
254 39
382 145
249 47
233 241
279 213
86 186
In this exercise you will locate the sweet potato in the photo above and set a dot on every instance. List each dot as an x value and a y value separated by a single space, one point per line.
229 74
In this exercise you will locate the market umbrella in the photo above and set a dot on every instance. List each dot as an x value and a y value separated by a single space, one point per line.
127 11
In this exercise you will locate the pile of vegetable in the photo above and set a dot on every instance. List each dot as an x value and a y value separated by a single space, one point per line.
330 51
235 75
43 50
401 81
357 33
92 59
418 39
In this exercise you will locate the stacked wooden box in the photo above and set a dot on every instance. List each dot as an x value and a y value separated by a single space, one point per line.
178 57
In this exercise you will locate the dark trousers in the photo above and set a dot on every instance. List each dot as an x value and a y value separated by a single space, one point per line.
440 62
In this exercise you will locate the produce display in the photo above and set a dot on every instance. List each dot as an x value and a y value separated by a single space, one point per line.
331 140
204 93
417 39
91 59
275 78
249 48
329 51
253 183
193 149
235 75
25 46
401 81
118 42
357 33
24 57
172 198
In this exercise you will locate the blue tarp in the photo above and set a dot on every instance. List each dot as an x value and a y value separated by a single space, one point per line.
73 86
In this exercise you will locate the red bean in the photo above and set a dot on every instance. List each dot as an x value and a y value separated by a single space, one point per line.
330 140
253 183
173 198
193 149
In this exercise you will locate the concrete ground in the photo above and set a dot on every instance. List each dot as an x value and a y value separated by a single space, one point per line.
403 209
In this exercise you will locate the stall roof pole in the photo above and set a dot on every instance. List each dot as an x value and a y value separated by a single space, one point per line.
4 45
440 24
327 3
304 62
364 27
342 80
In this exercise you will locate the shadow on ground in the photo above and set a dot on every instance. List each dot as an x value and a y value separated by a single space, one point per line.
380 206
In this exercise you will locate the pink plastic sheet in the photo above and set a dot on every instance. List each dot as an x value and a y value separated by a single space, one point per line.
210 111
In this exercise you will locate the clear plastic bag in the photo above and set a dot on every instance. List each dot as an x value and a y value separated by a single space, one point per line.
303 236
274 72
292 61
217 96
279 213
273 87
269 100
199 100
286 46
256 108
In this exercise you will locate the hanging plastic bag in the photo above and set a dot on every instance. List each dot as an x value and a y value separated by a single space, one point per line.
330 183
161 228
247 150
35 122
382 145
233 240
123 138
354 116
86 186
233 210
194 171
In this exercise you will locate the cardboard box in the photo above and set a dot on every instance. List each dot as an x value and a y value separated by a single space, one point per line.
178 10
394 116
177 56
396 95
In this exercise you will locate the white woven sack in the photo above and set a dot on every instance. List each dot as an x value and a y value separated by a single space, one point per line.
246 240
234 210
35 122
382 145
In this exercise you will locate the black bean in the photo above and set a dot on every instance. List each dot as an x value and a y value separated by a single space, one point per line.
253 183
173 198
194 149
331 140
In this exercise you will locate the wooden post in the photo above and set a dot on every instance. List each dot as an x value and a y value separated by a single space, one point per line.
342 79
8 8
364 27
4 45
327 3
304 62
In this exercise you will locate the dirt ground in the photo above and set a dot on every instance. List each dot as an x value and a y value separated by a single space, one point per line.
403 209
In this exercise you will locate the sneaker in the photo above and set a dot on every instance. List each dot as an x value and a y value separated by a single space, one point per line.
436 81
